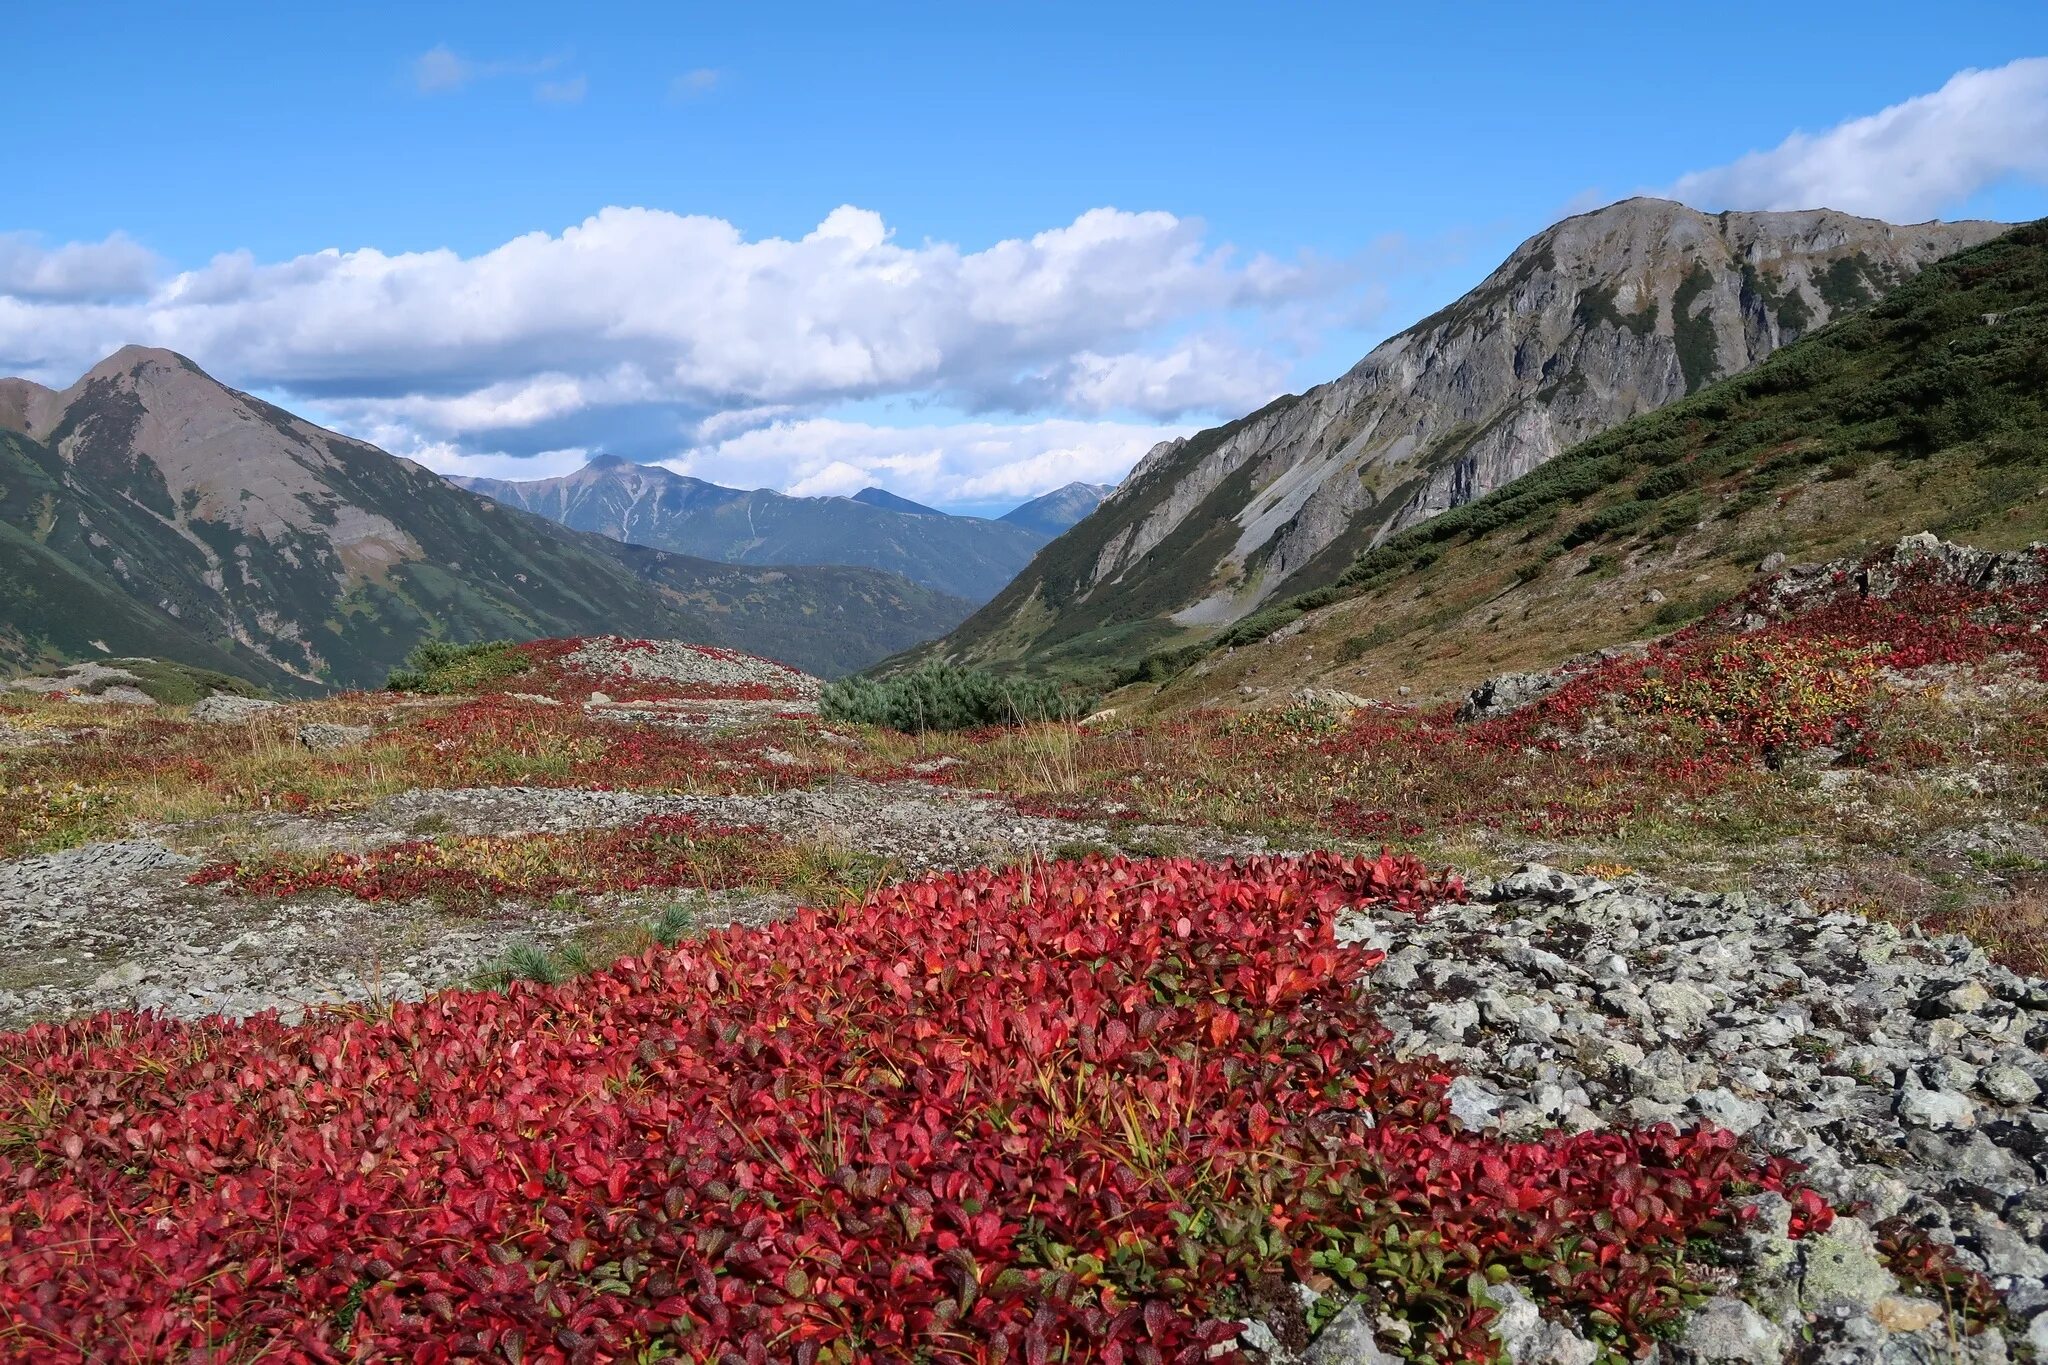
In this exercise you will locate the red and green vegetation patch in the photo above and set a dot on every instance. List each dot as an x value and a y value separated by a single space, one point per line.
497 741
110 773
1080 1111
1933 1268
469 873
1687 731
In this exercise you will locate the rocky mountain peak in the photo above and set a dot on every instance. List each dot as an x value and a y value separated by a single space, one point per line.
21 403
1595 319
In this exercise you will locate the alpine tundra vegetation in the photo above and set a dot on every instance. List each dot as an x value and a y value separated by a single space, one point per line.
1533 851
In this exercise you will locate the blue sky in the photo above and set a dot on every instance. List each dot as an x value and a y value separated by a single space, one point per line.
1295 182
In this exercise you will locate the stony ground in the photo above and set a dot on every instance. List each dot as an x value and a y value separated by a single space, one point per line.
1907 1071
114 925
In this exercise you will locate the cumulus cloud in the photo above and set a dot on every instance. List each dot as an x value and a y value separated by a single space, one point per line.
1204 373
1905 163
641 304
957 462
647 333
118 267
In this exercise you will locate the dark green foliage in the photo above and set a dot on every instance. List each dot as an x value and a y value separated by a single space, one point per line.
1844 286
1668 480
675 923
940 696
442 666
1693 329
531 962
1260 624
172 684
1679 514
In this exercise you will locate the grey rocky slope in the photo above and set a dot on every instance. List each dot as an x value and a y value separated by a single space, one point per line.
151 510
967 557
1601 317
1907 1074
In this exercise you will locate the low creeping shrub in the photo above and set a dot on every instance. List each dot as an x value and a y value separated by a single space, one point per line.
1071 1111
942 696
441 666
470 872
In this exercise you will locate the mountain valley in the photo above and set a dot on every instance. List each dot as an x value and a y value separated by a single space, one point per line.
1627 884
149 510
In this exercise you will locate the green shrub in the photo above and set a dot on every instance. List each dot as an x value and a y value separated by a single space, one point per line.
943 696
1665 481
440 666
1611 518
1259 625
173 684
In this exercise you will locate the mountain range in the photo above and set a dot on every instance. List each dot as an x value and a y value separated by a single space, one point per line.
969 557
151 510
1598 318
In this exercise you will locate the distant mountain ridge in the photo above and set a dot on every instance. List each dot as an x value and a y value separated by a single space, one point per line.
968 557
150 510
1055 512
1594 320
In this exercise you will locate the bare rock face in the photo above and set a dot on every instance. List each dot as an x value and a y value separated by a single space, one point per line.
1599 318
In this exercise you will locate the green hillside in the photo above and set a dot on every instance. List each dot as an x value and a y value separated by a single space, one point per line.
264 546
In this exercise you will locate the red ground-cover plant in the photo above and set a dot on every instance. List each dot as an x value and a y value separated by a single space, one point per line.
1078 1111
497 740
469 873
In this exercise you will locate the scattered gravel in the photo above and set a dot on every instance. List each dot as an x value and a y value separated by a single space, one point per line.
113 926
674 661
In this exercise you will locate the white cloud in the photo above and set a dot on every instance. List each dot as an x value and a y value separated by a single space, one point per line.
954 462
646 333
642 305
570 91
1205 372
695 84
118 267
1905 163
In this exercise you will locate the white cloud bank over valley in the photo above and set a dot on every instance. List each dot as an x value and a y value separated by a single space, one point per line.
661 335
